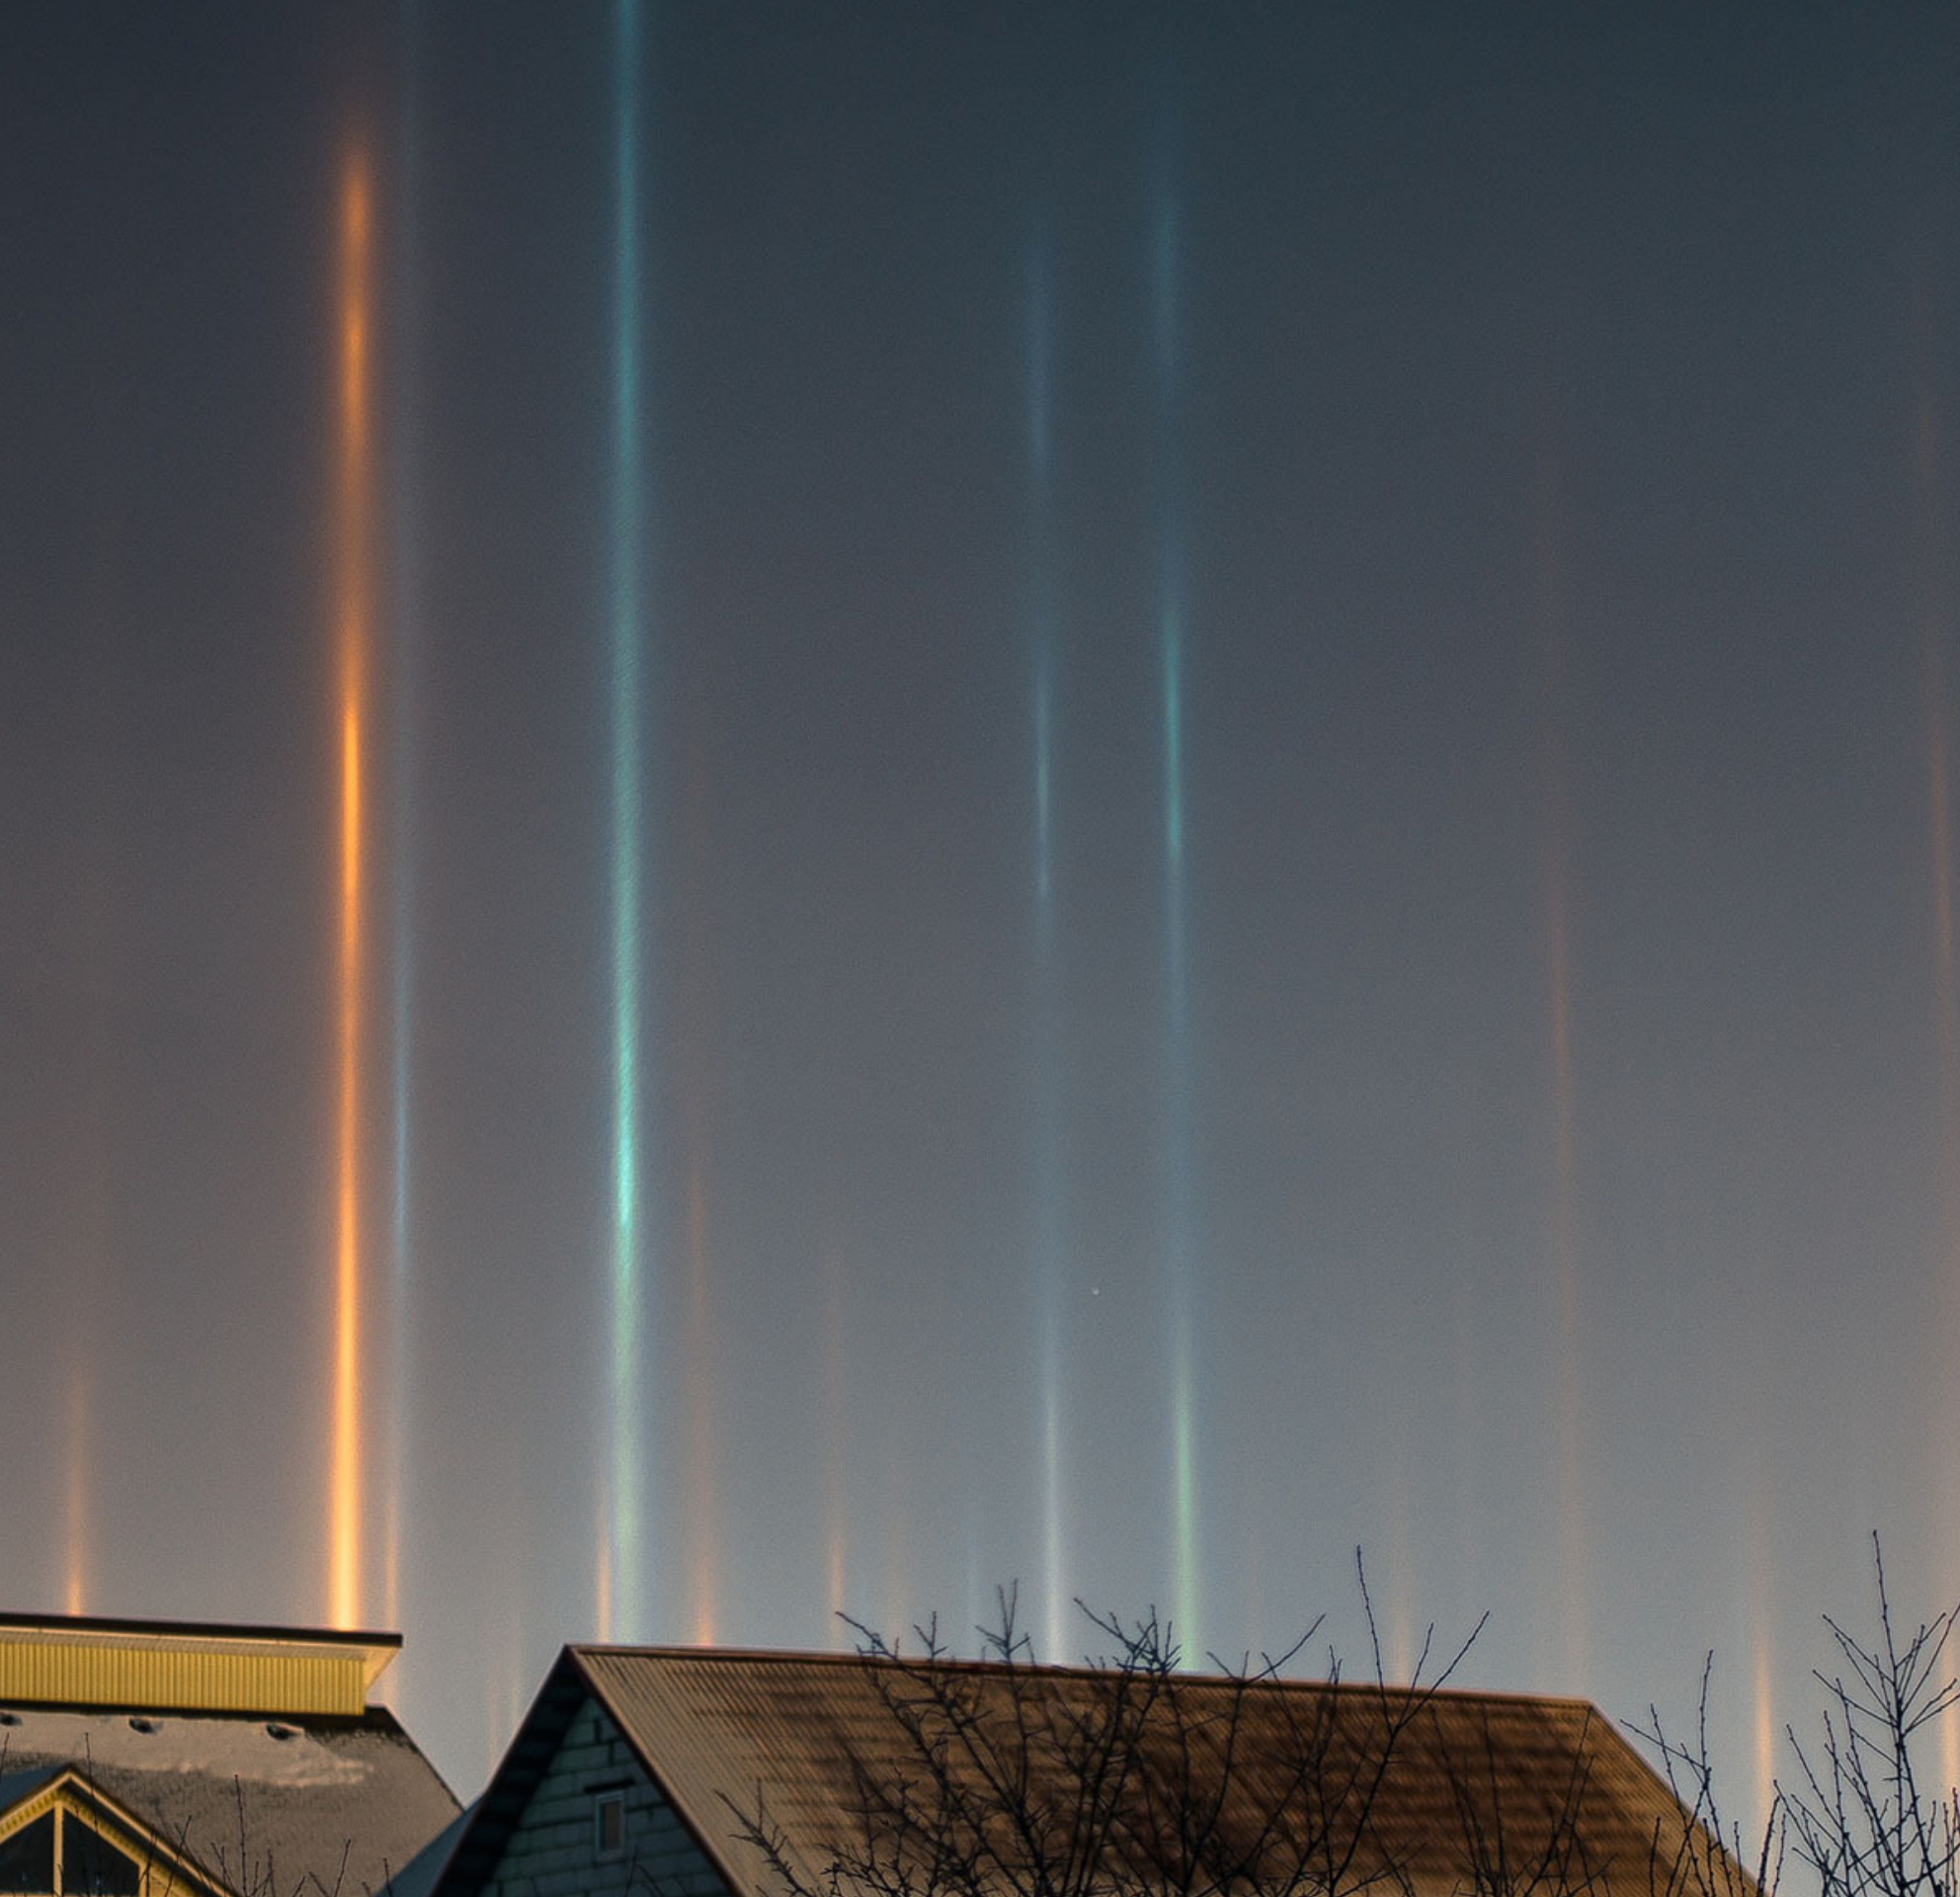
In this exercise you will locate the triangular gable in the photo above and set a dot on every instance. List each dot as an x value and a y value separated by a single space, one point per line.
495 1815
711 1840
571 1753
66 1796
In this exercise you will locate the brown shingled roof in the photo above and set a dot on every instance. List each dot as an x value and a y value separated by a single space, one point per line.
1482 1792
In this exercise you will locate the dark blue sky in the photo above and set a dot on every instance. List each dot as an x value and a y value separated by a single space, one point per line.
1551 1146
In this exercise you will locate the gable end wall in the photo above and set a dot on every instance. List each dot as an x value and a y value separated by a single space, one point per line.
550 1851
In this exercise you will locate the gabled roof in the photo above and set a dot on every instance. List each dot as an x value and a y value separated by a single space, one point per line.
345 1802
253 1746
25 1795
799 1735
489 1822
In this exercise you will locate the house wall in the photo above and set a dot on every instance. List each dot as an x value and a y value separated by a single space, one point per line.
552 1852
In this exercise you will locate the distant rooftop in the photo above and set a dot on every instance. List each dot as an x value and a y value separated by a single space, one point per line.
174 1666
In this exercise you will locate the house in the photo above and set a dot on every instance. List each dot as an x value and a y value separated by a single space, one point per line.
691 1773
153 1758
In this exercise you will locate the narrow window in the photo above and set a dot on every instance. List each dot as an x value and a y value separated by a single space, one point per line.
91 1866
609 1825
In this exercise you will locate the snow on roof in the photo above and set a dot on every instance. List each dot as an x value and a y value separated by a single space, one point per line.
254 1801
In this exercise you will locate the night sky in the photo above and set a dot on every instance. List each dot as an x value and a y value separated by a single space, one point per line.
1139 792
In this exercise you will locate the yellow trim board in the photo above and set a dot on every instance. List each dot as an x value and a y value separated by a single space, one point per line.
189 1670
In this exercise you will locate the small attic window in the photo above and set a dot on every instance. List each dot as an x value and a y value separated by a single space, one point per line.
609 1825
141 1722
10 1718
279 1729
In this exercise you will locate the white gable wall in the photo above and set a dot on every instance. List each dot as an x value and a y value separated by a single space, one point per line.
553 1849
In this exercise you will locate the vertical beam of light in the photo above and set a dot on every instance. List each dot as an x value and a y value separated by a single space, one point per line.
622 1556
1936 589
407 473
1467 1475
1048 1160
75 1510
88 1238
354 613
602 1566
696 1066
85 1269
835 1447
1179 1265
1763 1737
895 1605
1399 1615
504 1674
702 1539
1759 1571
1568 1487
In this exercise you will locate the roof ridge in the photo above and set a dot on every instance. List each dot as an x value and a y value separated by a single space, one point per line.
828 1657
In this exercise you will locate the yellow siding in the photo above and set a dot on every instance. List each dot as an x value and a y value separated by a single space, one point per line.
174 1679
